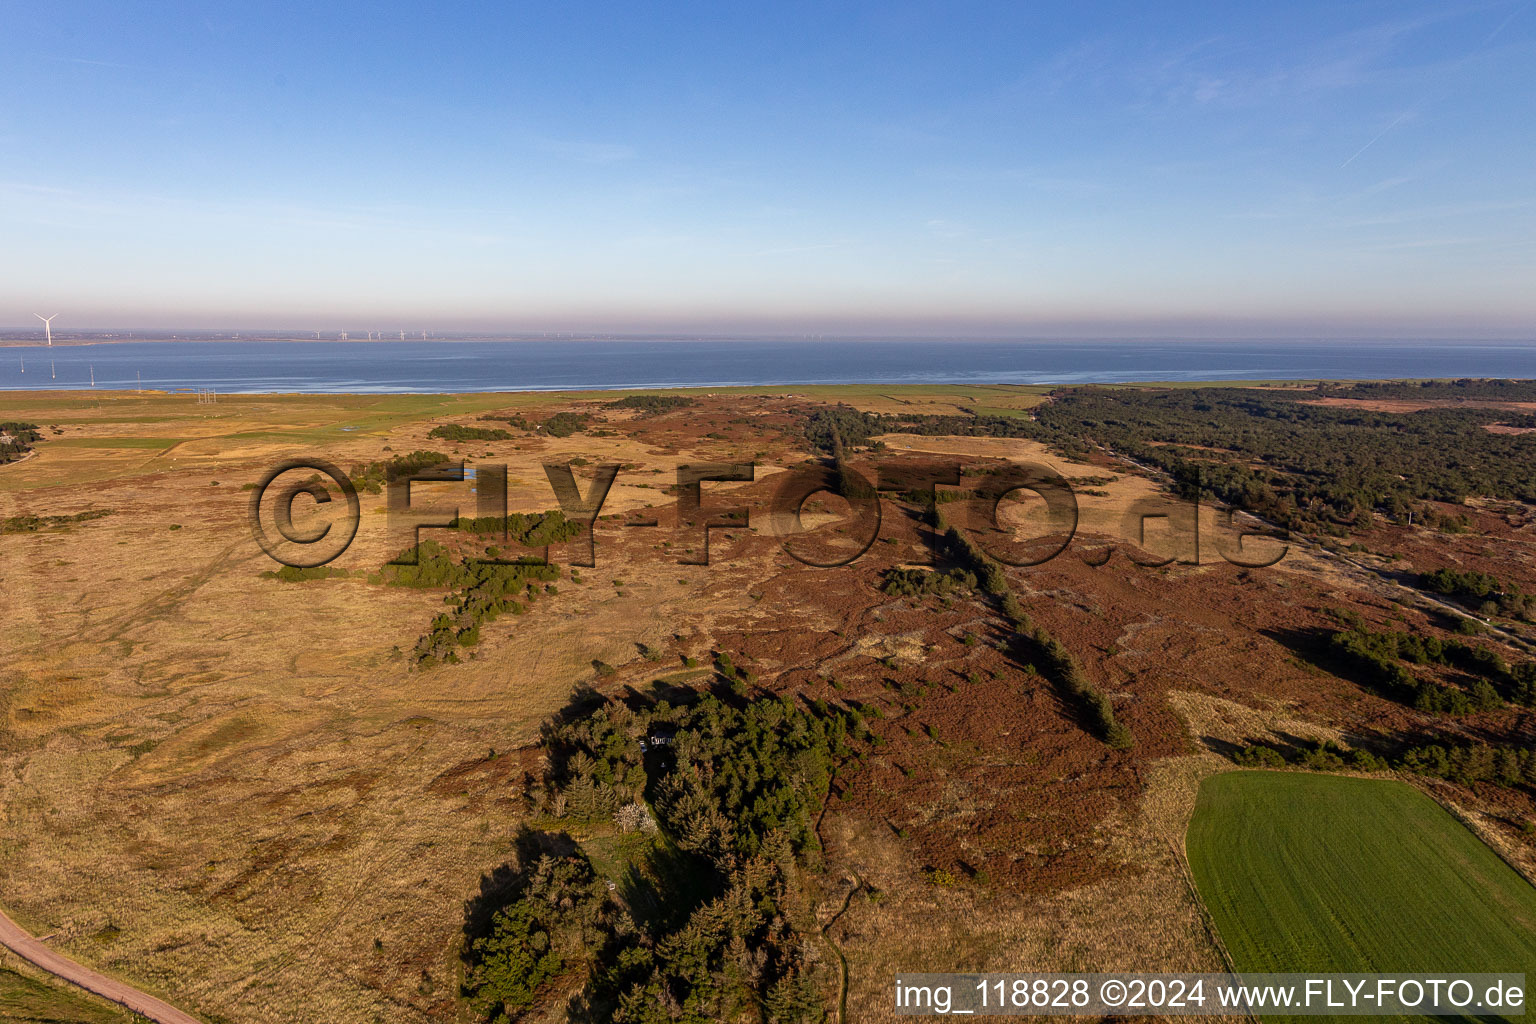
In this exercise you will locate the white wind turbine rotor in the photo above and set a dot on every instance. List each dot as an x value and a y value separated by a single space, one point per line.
47 326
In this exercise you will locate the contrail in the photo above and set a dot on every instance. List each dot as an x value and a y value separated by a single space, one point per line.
1505 23
1377 139
94 63
1491 36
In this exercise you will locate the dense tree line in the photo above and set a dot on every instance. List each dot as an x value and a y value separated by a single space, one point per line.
1302 465
1051 657
1378 657
458 432
830 428
526 529
16 439
724 777
1305 466
1458 583
1464 763
519 422
1373 659
561 424
846 482
922 583
1492 596
737 679
1059 665
652 405
973 425
32 523
1465 389
304 574
827 426
726 930
549 927
374 476
482 591
1467 763
564 424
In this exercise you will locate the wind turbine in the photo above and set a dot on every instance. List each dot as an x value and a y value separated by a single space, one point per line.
47 325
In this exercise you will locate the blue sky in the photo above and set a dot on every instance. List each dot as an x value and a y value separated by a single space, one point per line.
1009 168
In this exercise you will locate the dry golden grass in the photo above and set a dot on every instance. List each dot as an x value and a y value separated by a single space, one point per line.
231 791
235 793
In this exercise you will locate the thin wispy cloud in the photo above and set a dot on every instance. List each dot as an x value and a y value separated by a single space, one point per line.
95 63
587 152
790 250
1377 137
152 212
945 228
1158 162
1384 185
1521 9
1443 212
1034 180
1237 72
1421 243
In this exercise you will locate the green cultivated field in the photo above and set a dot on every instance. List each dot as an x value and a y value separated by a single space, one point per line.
1328 873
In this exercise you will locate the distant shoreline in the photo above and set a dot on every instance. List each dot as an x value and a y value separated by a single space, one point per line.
785 339
775 390
306 366
279 340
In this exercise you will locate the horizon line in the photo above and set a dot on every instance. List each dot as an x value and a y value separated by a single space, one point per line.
15 334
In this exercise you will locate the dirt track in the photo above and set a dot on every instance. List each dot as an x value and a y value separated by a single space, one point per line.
18 941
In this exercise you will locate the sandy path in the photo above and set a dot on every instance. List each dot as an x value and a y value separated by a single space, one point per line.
18 941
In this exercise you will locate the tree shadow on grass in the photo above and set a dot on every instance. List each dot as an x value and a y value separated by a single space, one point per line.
504 884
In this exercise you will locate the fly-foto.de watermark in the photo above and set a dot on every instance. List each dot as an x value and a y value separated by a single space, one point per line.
1022 514
1160 995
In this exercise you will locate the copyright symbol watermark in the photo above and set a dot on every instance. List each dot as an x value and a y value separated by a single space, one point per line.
318 542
